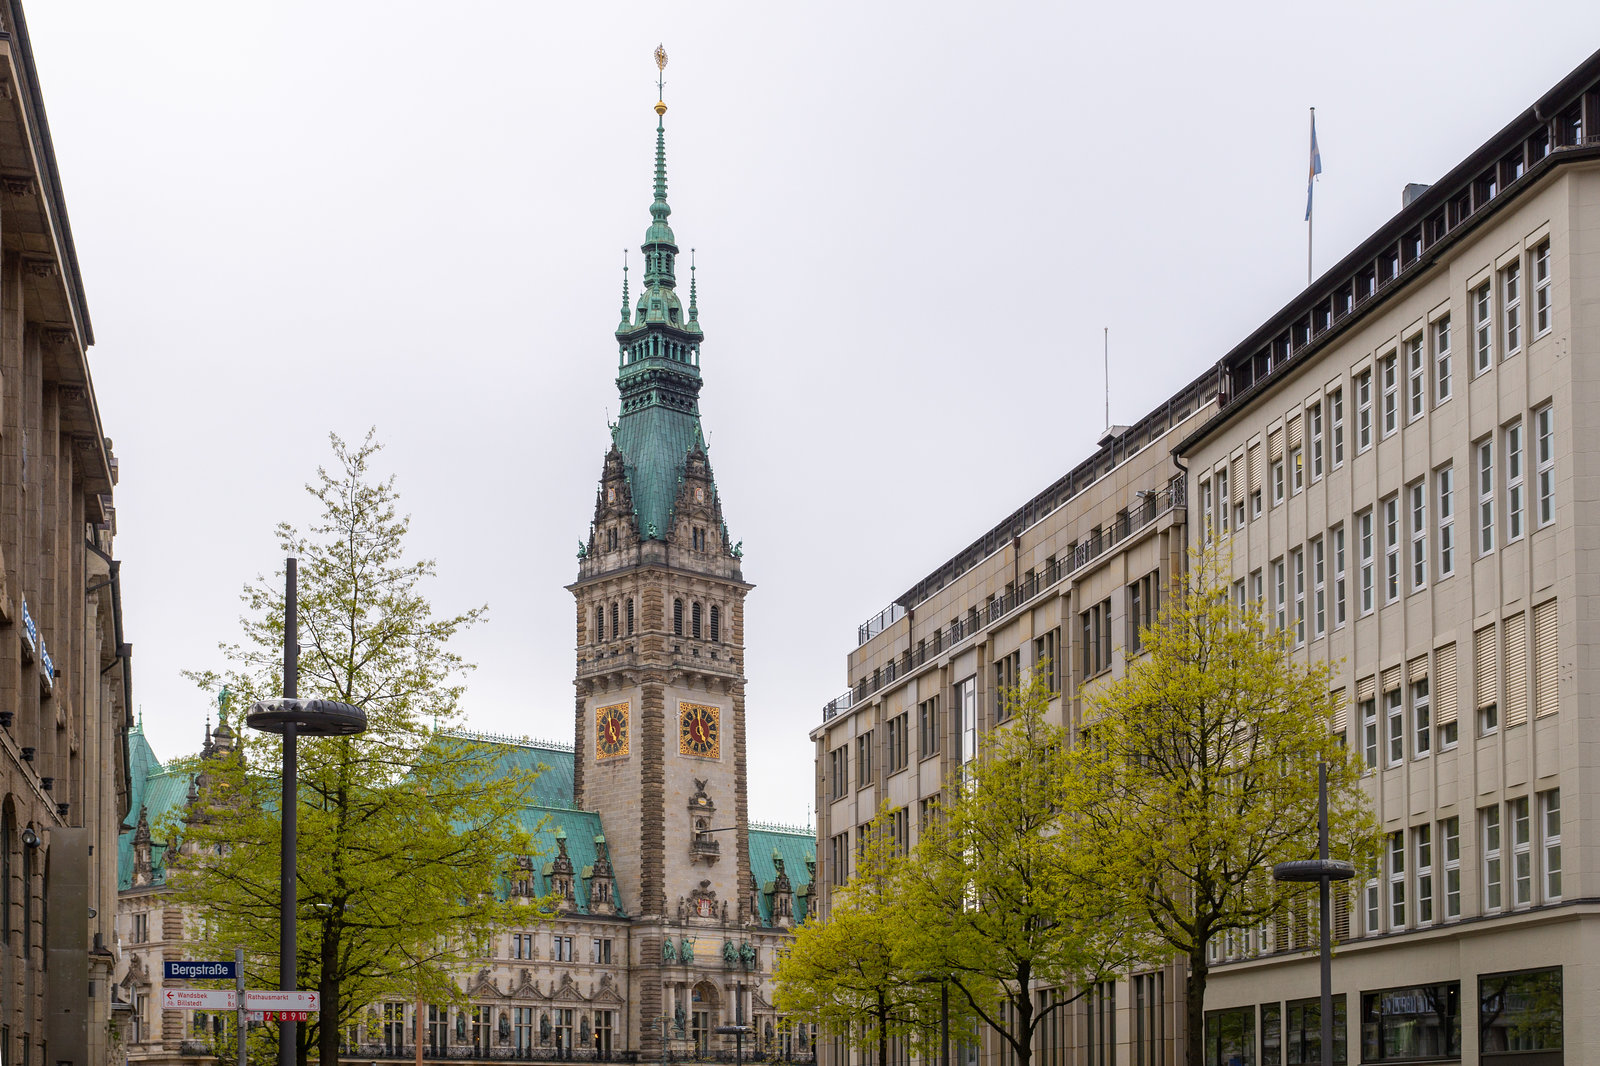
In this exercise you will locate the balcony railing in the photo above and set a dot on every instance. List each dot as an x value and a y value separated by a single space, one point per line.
1150 506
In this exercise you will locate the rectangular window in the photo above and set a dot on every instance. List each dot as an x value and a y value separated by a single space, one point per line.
1314 422
839 858
1280 586
1277 482
1230 1038
864 759
1365 524
1256 588
1319 590
1544 444
1445 479
1302 1030
1550 824
1521 853
1142 596
1374 903
966 696
1047 660
1369 732
1450 833
1363 411
1391 549
1397 880
1422 854
1486 496
561 948
1421 719
1403 1024
1511 308
1483 327
1520 1012
1007 676
1222 499
899 746
1541 289
1490 818
1513 435
1240 601
1389 367
1336 425
1297 469
1299 557
1419 535
839 771
1096 623
1416 379
1441 361
928 726
1207 512
1338 577
1394 711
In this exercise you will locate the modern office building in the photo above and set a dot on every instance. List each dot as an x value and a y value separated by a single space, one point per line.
1399 460
64 684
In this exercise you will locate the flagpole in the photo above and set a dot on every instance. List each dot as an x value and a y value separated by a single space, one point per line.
1309 202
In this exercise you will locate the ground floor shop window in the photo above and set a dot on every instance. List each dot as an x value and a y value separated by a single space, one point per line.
1520 1013
1400 1024
1231 1037
1271 1034
1302 1031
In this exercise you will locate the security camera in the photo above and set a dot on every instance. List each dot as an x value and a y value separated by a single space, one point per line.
30 838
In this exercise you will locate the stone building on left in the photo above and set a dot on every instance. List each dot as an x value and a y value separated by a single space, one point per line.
65 683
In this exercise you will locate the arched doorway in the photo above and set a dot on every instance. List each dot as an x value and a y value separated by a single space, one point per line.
704 1009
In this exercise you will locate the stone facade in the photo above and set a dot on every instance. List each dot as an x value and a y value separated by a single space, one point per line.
64 685
1399 459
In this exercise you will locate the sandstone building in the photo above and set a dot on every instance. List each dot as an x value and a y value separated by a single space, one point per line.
673 903
1399 458
64 685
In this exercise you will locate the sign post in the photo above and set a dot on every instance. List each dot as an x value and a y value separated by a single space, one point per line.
243 1022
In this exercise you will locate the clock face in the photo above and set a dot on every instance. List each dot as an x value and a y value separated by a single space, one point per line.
611 731
698 730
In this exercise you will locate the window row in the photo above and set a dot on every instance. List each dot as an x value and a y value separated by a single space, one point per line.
522 946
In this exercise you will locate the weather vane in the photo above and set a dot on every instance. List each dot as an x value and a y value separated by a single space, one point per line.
661 67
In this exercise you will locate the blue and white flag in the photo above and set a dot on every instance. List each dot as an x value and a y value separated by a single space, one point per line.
1316 163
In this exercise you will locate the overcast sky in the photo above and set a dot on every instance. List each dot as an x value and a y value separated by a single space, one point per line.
912 222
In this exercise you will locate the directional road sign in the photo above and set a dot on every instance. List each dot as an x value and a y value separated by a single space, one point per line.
199 999
265 1000
186 969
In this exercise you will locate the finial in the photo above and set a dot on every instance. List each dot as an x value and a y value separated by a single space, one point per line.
661 67
694 306
624 284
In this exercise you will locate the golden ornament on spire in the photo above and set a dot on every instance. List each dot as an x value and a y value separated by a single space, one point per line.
661 66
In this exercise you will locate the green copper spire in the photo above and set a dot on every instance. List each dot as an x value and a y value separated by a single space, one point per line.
658 427
624 324
694 303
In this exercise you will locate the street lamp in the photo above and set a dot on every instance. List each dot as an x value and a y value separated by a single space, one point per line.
293 717
1324 871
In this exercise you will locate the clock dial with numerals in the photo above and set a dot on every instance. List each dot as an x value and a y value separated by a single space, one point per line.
699 731
611 731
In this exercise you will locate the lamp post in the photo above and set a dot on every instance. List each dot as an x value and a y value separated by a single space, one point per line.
293 718
1324 871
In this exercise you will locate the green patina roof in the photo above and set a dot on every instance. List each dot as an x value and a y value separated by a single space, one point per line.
581 827
155 791
795 847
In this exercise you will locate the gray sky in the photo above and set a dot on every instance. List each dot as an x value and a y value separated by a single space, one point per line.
913 222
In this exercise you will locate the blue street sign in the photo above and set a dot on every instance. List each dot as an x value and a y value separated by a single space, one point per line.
184 969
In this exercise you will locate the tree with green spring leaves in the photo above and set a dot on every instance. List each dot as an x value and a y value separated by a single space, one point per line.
408 835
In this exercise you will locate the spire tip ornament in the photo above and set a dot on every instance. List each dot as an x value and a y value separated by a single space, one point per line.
661 66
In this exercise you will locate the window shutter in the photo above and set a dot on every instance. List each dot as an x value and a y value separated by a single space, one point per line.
1366 688
1391 679
1296 437
1486 679
1341 913
1255 468
1275 444
1516 670
1341 713
1546 651
1444 696
1417 669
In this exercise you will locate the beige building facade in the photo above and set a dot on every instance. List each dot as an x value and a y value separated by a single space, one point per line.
1399 464
64 668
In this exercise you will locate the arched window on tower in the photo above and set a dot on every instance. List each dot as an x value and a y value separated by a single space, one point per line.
694 622
599 624
630 616
615 629
716 624
677 618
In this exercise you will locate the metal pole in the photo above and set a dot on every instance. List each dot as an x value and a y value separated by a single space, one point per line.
944 1022
1310 210
287 979
1327 940
243 1015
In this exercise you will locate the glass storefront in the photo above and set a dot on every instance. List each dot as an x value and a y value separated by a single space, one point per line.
1420 1022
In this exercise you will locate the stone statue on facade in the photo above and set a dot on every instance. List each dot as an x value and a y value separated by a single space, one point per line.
669 952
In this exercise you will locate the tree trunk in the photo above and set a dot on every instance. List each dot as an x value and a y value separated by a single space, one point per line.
1195 1007
883 1032
328 985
